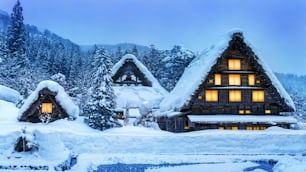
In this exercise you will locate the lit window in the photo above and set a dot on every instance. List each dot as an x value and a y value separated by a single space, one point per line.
217 79
257 81
199 97
211 81
249 128
251 79
255 128
241 111
211 95
46 108
263 128
234 79
235 96
234 128
221 128
234 64
268 111
247 111
258 96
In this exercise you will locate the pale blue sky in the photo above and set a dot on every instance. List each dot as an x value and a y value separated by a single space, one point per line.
277 28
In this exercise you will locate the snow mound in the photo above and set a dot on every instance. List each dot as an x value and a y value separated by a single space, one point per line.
9 95
134 96
198 69
62 98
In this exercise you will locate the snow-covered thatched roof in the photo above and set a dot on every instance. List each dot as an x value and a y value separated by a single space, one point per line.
61 97
197 71
9 95
142 68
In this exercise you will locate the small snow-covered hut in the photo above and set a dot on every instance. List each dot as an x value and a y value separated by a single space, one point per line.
49 102
226 87
134 84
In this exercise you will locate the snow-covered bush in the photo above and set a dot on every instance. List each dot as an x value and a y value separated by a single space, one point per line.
146 118
26 142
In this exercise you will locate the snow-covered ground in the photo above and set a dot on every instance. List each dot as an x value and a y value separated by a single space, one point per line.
199 151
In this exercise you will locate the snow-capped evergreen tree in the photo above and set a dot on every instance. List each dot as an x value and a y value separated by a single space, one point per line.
18 68
100 106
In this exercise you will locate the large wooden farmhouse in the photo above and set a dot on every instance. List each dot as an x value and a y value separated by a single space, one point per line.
48 103
226 87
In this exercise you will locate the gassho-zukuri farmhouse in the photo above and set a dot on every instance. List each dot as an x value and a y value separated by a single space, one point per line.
226 87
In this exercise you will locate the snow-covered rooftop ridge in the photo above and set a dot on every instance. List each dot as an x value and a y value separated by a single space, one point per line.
9 95
62 98
197 71
142 68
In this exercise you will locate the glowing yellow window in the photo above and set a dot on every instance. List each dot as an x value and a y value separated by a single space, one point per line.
200 97
234 64
221 128
234 79
234 128
211 95
217 79
46 107
251 79
258 96
267 111
235 96
255 128
262 128
249 128
241 111
247 111
257 81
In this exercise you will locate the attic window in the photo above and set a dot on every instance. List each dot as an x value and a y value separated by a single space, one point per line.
234 64
258 96
234 79
46 108
211 95
217 79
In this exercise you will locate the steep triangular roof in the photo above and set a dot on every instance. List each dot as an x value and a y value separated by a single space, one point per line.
148 75
195 74
60 95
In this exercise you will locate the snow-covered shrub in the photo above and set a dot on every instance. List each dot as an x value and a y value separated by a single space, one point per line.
147 118
26 142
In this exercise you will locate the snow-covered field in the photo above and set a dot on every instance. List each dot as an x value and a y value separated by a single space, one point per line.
196 151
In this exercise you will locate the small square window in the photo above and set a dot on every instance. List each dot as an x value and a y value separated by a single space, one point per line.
267 111
46 108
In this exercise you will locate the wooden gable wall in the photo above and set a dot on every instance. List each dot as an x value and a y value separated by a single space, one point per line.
128 70
237 49
33 113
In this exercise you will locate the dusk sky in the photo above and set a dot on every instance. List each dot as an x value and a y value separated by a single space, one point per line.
277 28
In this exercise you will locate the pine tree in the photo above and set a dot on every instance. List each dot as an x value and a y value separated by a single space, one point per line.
102 100
17 62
